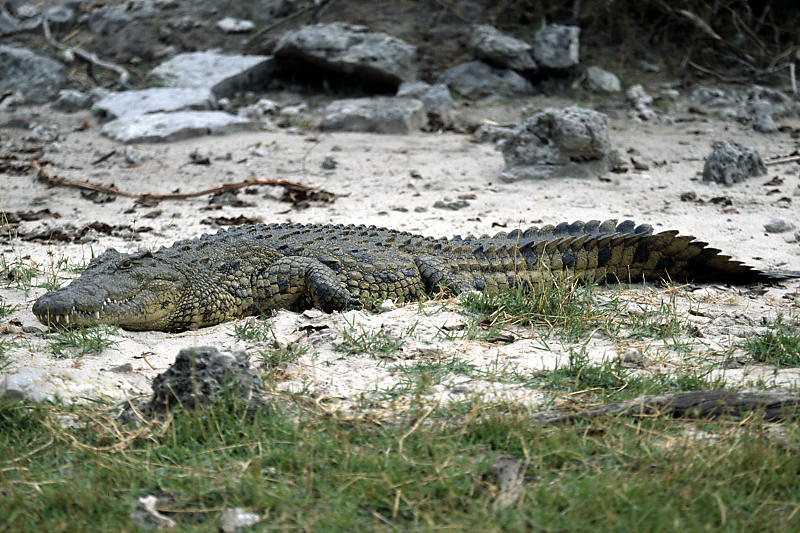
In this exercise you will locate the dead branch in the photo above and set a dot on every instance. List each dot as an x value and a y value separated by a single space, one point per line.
696 404
50 179
71 52
782 160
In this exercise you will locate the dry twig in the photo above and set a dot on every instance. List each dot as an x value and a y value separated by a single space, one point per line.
52 180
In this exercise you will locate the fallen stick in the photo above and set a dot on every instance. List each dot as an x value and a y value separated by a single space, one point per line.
695 404
781 160
52 180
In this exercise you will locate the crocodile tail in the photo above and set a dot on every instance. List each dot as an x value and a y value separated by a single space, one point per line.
626 252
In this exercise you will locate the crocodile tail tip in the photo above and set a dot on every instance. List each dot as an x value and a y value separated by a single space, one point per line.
778 275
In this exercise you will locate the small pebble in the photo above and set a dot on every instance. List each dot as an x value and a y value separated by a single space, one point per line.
386 306
632 355
329 163
237 519
779 225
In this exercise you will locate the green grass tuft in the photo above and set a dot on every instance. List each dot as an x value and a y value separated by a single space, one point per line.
378 343
780 345
75 342
566 304
5 309
253 330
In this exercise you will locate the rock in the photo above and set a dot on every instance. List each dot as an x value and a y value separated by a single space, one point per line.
223 74
641 102
135 157
70 101
435 98
669 94
8 24
59 18
26 11
68 384
38 79
730 162
293 110
142 101
558 142
711 96
762 119
452 206
494 134
108 20
259 110
329 163
476 79
758 105
386 306
779 225
146 516
348 49
500 50
199 376
763 105
602 80
649 67
165 127
632 355
557 47
232 25
378 114
237 519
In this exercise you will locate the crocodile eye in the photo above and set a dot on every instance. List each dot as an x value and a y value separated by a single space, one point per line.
125 264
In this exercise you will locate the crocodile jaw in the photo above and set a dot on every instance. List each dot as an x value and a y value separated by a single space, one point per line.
146 309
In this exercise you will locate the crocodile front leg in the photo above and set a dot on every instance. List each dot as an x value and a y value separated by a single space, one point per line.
294 282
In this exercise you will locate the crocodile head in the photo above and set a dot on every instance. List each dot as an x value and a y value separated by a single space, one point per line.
135 291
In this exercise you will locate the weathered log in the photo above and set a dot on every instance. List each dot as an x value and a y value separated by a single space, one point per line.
775 405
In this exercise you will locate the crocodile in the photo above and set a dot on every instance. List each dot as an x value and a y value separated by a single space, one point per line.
256 268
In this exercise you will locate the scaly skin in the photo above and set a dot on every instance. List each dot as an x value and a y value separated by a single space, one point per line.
252 269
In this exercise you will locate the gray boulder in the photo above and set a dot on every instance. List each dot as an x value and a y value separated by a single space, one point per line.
70 101
642 102
200 376
139 102
37 79
757 105
59 18
558 142
602 80
557 47
436 98
232 25
497 134
165 127
351 50
476 79
377 115
500 50
8 24
222 74
108 20
730 162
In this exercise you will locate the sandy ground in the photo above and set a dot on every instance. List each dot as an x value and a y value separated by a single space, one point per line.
394 181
